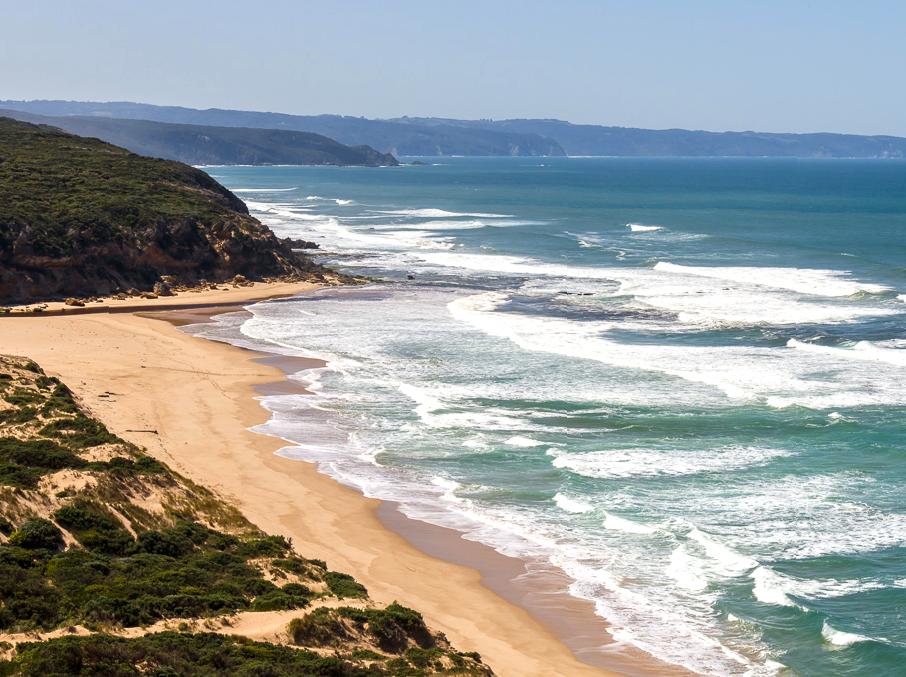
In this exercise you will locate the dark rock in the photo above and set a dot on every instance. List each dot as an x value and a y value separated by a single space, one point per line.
161 288
293 243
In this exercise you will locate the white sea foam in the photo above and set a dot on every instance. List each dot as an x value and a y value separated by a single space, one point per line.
617 523
863 350
263 190
731 562
687 570
438 213
520 441
801 280
840 638
449 488
642 228
770 587
428 407
654 462
451 224
696 298
343 203
516 265
573 505
742 373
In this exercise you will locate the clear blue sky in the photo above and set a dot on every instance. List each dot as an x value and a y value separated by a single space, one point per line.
733 64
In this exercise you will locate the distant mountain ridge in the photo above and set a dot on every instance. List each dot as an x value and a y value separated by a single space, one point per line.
629 141
396 138
526 137
208 145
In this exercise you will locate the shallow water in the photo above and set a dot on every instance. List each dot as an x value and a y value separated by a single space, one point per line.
681 381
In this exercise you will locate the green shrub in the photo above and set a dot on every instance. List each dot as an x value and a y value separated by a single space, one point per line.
45 382
37 534
321 627
79 431
292 565
392 626
172 653
24 462
269 546
60 401
297 589
18 415
344 585
23 396
277 600
94 527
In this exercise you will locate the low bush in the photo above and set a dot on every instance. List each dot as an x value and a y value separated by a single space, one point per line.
94 527
322 627
79 432
37 534
344 585
392 626
171 654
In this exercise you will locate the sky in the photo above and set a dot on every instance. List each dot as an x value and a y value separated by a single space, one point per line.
794 66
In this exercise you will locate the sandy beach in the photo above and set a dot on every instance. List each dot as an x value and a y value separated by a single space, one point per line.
190 403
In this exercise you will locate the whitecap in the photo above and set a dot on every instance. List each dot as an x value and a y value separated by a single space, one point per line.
263 190
438 213
686 570
449 488
731 562
840 638
862 350
802 280
642 228
527 442
642 462
572 505
617 523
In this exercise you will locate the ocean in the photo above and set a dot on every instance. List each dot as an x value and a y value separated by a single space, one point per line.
681 381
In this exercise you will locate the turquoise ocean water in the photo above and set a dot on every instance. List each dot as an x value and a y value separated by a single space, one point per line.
681 381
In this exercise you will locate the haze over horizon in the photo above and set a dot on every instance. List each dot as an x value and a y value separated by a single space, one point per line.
706 65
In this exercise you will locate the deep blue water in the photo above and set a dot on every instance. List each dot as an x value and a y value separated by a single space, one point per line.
681 381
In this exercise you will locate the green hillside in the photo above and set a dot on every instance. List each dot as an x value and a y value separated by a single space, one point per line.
81 217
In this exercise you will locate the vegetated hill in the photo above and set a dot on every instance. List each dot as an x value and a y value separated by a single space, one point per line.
81 217
112 564
627 141
394 137
206 145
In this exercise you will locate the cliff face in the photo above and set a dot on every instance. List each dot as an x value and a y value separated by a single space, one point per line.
82 217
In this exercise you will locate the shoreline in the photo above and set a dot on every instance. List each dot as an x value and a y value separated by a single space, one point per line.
538 587
147 363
